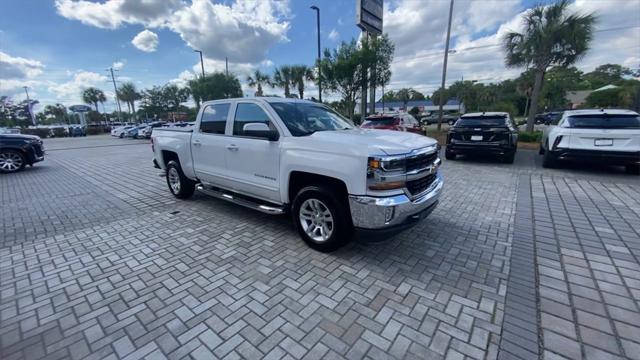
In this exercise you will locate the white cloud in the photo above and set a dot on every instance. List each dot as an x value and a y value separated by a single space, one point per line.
70 91
146 41
118 65
334 35
242 30
18 67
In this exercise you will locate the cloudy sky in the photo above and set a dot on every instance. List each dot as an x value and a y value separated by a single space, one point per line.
57 48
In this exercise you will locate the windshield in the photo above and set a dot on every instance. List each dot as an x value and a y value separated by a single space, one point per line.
376 121
605 121
481 121
306 118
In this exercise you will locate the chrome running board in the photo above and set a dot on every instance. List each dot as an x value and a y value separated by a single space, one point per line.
255 205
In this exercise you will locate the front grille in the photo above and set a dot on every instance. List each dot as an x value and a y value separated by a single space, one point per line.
420 161
419 185
38 149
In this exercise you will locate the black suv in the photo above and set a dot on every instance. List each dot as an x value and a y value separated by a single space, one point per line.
17 150
483 133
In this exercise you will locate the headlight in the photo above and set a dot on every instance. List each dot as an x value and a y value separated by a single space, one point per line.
386 164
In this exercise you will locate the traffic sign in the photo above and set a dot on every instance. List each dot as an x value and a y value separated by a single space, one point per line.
369 16
80 108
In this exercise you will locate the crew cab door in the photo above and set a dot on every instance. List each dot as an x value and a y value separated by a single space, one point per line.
253 162
208 145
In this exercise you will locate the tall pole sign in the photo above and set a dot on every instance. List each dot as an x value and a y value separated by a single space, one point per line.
369 20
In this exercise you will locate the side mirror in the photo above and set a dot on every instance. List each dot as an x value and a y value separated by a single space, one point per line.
260 130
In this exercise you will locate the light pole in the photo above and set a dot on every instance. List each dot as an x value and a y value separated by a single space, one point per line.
318 31
444 66
201 61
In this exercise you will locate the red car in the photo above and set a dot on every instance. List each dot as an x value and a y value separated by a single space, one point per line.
397 122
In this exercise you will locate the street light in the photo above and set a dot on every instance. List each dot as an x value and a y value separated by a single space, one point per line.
201 62
318 30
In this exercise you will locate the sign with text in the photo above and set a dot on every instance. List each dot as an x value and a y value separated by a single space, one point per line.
80 108
369 16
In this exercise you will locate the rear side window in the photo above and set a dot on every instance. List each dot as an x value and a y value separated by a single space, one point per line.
481 121
214 118
249 113
604 121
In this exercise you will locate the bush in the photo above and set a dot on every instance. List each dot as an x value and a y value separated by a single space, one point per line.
357 119
533 137
59 132
42 132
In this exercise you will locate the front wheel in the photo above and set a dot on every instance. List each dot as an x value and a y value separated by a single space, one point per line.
179 185
121 135
449 155
633 169
549 160
509 158
11 161
322 220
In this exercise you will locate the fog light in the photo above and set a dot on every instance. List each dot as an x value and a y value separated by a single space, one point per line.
388 213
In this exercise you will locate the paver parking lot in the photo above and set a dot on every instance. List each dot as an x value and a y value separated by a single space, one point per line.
98 260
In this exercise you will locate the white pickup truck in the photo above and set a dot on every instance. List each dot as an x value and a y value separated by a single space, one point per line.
285 155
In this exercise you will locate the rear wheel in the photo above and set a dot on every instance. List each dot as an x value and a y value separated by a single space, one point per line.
541 150
321 218
121 135
549 160
508 158
11 161
179 185
633 169
449 155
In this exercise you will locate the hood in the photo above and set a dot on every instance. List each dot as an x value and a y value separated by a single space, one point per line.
19 137
378 142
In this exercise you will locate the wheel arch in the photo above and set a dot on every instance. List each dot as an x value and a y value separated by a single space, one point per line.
300 179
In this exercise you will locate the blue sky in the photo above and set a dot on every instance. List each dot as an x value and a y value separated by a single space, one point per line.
58 47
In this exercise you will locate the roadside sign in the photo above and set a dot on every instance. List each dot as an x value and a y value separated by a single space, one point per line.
369 16
80 108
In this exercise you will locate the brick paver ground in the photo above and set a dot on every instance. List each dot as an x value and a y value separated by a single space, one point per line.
98 260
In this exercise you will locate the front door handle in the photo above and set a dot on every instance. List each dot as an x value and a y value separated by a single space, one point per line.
232 147
197 142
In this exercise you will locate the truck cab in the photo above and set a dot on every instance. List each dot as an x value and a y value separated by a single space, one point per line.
280 155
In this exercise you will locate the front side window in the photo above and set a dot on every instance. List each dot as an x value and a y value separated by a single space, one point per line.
247 113
302 118
214 118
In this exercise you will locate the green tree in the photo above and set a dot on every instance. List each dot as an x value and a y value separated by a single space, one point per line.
300 74
377 55
153 102
341 72
173 96
283 78
57 111
215 86
258 79
607 74
551 37
559 80
93 96
605 98
129 94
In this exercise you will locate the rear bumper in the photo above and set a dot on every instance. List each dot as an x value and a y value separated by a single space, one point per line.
479 147
610 157
395 213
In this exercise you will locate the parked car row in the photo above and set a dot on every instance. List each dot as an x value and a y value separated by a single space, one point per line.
142 131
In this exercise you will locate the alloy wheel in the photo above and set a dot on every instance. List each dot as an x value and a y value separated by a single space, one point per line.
316 220
174 180
10 161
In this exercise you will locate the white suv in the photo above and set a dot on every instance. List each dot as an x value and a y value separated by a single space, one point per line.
607 135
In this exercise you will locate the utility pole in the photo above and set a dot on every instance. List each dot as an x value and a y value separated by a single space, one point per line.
318 31
201 61
444 66
115 89
372 80
226 65
363 98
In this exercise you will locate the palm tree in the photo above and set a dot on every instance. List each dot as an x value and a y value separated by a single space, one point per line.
129 94
551 37
93 96
258 79
282 77
299 74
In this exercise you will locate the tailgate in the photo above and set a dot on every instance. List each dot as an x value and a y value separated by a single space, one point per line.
605 139
480 135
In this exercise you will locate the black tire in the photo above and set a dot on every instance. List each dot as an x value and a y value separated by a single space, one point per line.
541 150
341 229
449 155
11 161
549 160
633 169
121 135
180 186
450 122
509 158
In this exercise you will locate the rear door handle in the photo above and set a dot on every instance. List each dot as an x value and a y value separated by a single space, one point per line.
232 147
197 142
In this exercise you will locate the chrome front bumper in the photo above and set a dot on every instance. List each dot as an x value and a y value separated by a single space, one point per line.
380 213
